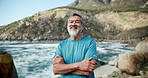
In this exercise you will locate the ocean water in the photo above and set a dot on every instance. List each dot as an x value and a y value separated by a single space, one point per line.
34 59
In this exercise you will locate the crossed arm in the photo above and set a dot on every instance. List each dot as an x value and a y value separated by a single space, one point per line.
84 67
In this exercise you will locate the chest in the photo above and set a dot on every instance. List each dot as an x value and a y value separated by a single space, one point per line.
74 52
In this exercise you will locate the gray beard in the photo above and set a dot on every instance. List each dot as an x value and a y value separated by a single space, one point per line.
74 33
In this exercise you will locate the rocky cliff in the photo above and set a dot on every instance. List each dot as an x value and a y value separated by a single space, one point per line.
111 3
104 22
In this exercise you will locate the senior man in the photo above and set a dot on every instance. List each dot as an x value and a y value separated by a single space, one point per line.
76 56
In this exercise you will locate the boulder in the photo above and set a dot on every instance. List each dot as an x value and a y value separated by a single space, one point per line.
142 46
132 62
105 71
7 67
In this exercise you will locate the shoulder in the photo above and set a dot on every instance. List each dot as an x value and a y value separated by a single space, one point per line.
89 39
64 41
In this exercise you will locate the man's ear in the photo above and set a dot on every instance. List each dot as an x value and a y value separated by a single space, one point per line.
82 27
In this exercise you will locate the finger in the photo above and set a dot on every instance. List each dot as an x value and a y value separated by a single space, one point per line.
90 70
92 67
89 59
55 59
57 56
91 62
53 62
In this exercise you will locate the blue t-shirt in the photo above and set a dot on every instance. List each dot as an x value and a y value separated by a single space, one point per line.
76 51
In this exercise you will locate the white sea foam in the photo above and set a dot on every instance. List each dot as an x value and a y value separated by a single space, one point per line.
32 45
101 50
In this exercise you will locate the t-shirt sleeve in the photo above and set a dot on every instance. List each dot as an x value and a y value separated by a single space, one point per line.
92 52
58 50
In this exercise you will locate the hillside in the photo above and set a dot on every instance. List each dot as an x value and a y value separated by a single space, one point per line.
100 23
141 32
102 4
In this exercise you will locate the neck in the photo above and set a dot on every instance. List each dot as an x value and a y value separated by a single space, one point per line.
79 36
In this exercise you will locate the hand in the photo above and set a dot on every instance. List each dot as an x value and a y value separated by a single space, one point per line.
58 60
87 65
83 73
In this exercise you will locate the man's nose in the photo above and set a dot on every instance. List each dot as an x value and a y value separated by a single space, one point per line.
74 23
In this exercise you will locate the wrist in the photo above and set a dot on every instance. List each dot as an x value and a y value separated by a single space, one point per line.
76 65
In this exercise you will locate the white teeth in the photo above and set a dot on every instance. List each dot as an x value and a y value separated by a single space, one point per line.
74 27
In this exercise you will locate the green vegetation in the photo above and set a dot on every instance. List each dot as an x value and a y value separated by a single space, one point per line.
145 67
22 27
116 6
9 28
137 33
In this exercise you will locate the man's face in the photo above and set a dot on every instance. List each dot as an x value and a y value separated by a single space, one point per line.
74 25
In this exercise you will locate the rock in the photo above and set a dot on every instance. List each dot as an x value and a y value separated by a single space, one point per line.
105 71
112 63
132 62
7 68
142 46
100 63
141 72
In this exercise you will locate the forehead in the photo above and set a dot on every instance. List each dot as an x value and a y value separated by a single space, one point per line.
74 18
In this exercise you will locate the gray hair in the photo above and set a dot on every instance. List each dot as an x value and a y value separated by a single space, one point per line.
75 14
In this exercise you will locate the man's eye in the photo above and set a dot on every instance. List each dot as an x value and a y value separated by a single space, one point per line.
77 22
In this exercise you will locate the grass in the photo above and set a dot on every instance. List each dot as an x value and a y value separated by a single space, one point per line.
9 28
145 67
137 33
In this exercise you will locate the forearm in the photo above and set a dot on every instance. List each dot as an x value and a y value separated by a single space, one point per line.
83 73
64 68
79 68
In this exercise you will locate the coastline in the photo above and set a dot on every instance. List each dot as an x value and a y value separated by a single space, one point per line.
130 42
109 71
112 69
